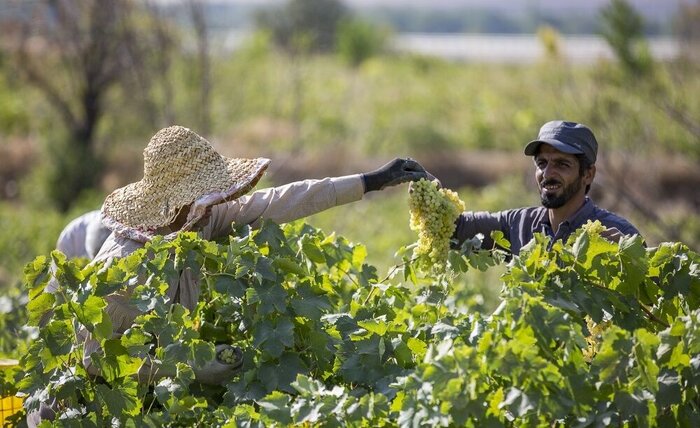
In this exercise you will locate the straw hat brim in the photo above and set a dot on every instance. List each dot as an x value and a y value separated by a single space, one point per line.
139 209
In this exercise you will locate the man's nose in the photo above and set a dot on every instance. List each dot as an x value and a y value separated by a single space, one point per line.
546 171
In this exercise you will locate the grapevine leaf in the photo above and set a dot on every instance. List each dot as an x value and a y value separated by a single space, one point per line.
359 254
120 401
89 312
634 264
517 402
201 352
500 240
273 336
669 389
309 304
281 374
630 404
276 407
58 336
648 369
265 269
312 249
376 326
367 276
270 298
418 347
36 275
457 262
228 285
67 272
614 355
679 358
271 234
289 265
403 354
38 306
104 329
409 273
67 385
116 363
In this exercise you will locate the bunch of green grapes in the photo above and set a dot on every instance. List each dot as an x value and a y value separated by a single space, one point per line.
433 213
229 355
594 227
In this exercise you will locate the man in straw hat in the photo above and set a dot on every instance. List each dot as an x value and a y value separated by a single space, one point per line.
187 185
564 154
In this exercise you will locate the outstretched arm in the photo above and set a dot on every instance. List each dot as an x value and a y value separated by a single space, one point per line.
303 198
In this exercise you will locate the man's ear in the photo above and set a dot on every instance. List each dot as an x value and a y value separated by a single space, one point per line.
589 175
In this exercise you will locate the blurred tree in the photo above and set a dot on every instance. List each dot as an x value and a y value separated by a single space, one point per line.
74 52
204 65
688 30
550 40
318 19
359 40
623 29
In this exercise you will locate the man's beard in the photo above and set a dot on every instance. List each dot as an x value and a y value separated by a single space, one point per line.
558 201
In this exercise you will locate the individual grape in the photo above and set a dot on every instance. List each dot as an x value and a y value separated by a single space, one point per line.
433 212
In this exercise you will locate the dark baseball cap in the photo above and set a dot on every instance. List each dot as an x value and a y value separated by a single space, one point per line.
568 137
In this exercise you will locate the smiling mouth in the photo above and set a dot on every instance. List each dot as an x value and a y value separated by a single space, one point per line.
550 187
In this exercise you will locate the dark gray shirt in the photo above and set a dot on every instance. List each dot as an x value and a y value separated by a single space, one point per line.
519 225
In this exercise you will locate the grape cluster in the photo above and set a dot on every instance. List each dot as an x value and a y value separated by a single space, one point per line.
229 355
592 341
433 213
594 227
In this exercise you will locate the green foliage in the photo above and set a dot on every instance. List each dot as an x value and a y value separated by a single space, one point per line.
623 29
359 40
317 20
550 40
14 114
26 233
327 342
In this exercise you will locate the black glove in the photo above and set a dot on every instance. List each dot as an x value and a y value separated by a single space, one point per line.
395 172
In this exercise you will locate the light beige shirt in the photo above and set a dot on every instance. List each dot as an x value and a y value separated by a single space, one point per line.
279 204
73 237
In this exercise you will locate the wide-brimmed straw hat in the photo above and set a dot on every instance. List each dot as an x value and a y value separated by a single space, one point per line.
180 168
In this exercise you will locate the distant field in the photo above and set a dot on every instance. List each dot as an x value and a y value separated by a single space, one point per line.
497 48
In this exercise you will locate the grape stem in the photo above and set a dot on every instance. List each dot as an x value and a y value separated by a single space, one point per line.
646 311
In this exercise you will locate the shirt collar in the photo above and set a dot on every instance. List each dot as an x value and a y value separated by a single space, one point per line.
577 219
582 215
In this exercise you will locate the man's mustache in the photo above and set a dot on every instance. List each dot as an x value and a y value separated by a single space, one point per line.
549 182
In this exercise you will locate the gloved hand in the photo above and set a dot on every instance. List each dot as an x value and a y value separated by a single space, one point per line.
395 172
218 372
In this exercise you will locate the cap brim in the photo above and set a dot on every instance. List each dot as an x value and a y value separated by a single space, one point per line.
532 146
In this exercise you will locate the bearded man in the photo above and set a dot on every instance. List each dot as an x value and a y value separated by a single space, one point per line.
564 154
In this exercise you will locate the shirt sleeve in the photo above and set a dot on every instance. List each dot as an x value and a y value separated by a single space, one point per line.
71 241
469 224
284 203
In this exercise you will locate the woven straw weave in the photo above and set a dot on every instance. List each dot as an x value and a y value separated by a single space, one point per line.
179 168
